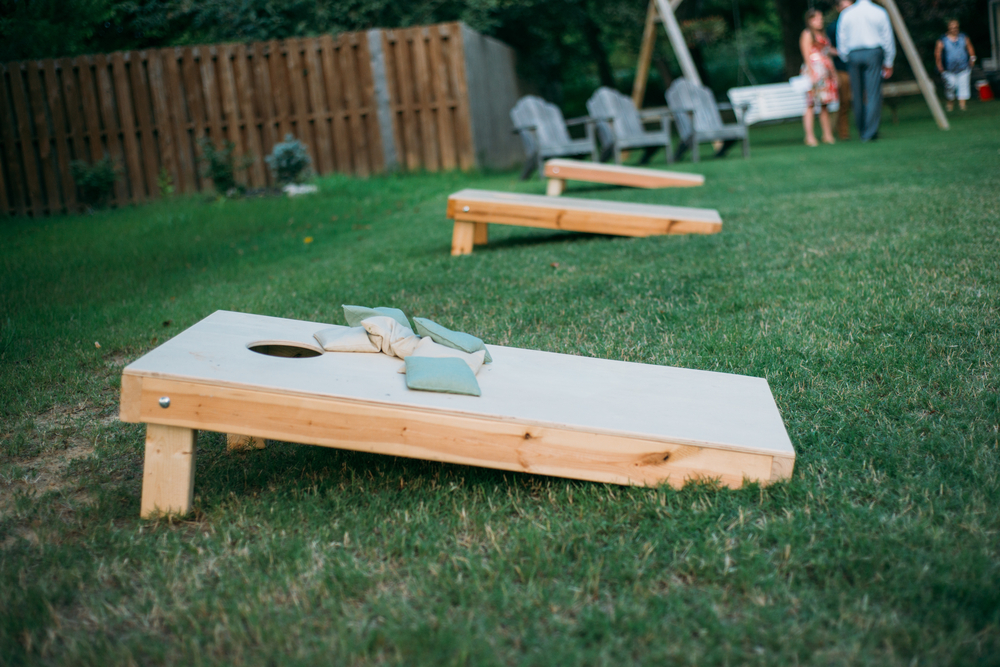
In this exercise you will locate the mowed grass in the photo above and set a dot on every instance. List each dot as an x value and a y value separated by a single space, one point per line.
860 280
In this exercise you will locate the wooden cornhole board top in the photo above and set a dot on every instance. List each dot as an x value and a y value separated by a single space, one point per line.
595 216
540 412
612 174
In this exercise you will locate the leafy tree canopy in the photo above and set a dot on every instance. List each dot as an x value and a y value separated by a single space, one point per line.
561 43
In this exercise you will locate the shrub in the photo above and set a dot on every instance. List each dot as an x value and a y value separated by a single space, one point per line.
217 164
94 182
165 182
289 161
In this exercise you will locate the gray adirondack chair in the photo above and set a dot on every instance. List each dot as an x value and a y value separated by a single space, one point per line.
619 126
544 133
696 114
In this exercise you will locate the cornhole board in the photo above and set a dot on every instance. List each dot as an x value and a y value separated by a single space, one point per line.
559 171
474 210
543 413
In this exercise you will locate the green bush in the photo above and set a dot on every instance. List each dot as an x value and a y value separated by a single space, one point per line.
289 161
94 182
217 164
165 183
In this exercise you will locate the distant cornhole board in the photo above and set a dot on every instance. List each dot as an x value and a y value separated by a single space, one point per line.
542 413
474 210
560 171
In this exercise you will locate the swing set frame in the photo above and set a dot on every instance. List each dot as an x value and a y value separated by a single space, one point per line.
663 11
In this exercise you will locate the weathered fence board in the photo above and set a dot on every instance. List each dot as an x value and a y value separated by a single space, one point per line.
24 134
424 72
354 68
147 110
37 97
59 125
341 149
492 94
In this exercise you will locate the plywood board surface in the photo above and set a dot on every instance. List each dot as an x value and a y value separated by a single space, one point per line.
611 174
658 403
490 199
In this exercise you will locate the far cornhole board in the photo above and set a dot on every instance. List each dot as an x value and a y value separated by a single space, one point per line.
474 210
543 413
560 171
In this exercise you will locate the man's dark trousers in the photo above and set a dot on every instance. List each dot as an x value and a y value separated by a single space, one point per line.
865 67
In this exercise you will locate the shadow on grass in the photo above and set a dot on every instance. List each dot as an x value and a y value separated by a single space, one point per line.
283 467
554 238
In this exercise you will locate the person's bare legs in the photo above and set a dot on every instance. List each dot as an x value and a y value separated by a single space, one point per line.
808 123
824 123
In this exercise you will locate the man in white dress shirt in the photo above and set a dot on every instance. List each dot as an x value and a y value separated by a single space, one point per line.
865 41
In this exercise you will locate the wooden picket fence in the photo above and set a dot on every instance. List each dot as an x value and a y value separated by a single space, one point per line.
426 82
361 102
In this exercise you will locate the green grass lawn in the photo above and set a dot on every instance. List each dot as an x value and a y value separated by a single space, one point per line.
861 280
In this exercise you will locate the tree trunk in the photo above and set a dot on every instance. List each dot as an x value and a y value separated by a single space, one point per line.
791 13
592 33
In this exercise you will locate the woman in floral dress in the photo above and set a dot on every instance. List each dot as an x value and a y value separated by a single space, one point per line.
818 66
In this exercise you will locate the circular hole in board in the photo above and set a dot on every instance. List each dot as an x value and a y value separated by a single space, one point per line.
285 349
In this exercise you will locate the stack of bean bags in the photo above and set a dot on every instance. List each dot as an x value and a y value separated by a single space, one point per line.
435 358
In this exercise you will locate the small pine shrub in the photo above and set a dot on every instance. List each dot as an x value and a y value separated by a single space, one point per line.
289 161
217 164
165 182
94 182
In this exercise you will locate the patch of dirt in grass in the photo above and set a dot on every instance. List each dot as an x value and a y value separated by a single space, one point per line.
22 533
118 361
48 471
43 474
62 417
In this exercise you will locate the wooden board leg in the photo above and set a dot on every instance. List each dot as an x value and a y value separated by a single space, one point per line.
555 187
168 470
482 235
781 468
236 442
462 237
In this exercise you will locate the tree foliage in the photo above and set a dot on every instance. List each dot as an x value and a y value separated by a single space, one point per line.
566 47
48 28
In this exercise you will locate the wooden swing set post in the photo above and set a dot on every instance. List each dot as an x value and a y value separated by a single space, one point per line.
924 81
645 56
661 10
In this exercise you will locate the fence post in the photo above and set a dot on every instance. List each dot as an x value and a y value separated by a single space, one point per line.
382 109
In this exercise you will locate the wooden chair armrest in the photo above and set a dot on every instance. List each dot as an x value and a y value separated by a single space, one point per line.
581 120
649 115
738 110
741 115
655 112
726 106
662 114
